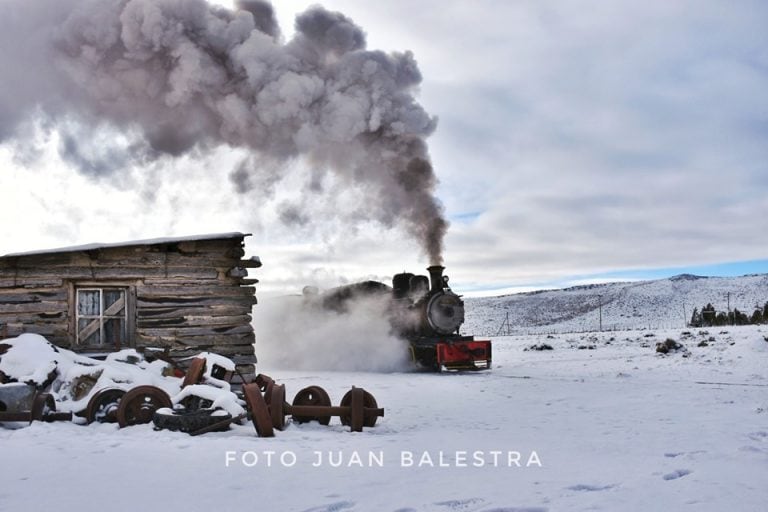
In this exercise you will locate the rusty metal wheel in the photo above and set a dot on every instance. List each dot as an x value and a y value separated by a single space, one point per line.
103 405
268 388
368 402
139 405
42 405
263 381
277 406
195 372
262 421
312 395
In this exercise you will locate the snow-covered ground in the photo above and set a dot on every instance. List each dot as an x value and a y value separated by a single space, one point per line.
612 427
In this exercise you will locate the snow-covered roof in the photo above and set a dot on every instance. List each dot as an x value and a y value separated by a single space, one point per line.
130 243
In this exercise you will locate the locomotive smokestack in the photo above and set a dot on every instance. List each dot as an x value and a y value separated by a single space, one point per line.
436 276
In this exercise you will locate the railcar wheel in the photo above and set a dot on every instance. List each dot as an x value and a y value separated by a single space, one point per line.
312 395
262 421
369 402
277 406
139 405
103 405
268 388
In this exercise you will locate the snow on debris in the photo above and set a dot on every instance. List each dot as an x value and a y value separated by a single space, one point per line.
73 379
31 359
211 361
220 398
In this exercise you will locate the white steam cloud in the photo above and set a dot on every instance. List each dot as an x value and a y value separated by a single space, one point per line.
182 76
297 334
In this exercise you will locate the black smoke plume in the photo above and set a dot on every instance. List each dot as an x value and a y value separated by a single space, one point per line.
175 76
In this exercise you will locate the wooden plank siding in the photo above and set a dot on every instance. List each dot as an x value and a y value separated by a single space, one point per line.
181 294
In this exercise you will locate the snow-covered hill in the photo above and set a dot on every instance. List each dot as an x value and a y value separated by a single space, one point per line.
663 303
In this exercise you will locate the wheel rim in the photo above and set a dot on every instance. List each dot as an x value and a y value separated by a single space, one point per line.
369 402
262 422
103 406
139 404
277 406
312 395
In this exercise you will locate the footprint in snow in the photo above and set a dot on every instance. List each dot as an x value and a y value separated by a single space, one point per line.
333 507
516 509
591 488
461 504
677 474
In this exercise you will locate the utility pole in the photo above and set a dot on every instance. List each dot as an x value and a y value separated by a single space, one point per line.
505 322
600 308
728 295
685 317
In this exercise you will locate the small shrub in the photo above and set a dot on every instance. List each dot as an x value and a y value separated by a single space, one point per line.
667 346
540 346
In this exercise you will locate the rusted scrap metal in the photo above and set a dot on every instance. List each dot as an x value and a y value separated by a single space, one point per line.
312 396
195 372
221 425
266 404
267 408
24 403
358 408
259 410
139 404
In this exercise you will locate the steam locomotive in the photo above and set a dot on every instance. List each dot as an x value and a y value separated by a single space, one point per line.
427 314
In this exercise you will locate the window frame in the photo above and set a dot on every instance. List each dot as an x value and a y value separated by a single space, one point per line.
128 316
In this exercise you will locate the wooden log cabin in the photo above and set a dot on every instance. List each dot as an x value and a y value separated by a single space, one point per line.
186 295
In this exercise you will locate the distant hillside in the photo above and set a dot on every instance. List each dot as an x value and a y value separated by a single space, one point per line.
630 305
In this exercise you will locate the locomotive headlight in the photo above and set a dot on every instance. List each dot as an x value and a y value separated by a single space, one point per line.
445 312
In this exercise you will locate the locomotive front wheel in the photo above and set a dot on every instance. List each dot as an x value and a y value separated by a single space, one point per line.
262 421
102 406
138 405
277 406
312 395
368 402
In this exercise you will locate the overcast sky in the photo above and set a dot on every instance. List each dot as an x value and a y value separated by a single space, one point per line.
575 141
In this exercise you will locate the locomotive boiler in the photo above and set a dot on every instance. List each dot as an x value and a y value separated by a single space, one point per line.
428 314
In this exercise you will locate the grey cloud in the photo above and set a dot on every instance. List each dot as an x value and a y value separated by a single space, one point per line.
183 76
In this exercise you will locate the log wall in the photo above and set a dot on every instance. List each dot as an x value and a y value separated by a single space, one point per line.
183 296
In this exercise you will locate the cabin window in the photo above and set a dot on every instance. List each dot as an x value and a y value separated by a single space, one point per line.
102 316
